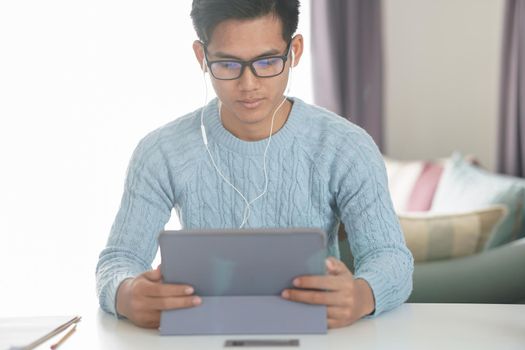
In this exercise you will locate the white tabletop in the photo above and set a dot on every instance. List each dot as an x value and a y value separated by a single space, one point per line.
411 326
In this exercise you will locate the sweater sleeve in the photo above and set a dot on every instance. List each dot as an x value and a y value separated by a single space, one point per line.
144 211
376 240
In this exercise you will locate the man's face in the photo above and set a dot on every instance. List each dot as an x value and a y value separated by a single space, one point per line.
249 101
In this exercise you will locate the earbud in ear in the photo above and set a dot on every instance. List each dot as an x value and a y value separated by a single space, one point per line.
204 65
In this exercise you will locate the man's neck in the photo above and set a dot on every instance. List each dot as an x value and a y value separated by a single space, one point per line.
260 131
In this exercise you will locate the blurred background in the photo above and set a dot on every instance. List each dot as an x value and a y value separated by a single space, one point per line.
81 82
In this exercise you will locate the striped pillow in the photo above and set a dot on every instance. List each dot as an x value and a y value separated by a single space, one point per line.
431 236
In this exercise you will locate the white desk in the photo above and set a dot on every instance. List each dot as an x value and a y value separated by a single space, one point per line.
411 326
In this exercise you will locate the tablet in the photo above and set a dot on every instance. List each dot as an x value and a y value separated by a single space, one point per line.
241 262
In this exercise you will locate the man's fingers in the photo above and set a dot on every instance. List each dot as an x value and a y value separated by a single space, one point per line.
169 303
149 319
333 323
319 282
152 289
338 313
311 297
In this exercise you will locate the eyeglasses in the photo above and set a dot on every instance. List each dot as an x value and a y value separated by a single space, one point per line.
263 67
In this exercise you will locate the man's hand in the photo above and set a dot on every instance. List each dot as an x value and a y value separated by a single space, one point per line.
141 299
347 299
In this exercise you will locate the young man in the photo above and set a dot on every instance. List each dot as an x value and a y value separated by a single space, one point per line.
316 170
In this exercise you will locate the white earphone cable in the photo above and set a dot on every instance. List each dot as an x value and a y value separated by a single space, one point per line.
247 208
205 140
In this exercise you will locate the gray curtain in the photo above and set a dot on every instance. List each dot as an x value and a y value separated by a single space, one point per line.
347 61
511 157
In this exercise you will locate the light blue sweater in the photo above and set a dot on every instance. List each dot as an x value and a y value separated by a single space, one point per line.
322 170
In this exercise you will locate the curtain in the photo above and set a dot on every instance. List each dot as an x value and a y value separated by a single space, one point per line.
347 61
511 152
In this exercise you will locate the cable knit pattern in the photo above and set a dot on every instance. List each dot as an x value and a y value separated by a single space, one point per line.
322 170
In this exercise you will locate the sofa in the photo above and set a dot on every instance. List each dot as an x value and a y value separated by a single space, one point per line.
465 227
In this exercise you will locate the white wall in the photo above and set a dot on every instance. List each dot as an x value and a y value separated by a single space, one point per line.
442 65
80 83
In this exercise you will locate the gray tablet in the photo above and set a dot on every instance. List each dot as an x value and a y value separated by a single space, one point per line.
230 262
240 275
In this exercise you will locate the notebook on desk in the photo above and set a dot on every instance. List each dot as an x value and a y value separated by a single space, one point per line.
240 274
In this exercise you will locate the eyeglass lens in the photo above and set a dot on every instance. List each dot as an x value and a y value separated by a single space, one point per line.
265 67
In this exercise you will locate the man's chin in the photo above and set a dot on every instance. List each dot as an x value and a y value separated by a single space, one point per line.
251 118
248 114
253 115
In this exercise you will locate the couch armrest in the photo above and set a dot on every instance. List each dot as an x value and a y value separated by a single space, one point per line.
493 276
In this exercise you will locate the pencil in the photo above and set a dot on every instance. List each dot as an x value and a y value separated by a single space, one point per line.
64 338
54 332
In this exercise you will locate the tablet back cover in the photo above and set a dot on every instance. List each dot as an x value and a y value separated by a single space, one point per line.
240 275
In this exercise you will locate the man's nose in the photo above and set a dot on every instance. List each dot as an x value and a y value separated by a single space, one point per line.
248 80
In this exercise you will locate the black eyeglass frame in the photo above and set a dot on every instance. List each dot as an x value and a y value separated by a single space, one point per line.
249 63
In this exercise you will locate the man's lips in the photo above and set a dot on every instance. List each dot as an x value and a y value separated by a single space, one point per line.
251 103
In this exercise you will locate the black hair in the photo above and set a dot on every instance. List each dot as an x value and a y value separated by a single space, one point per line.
207 14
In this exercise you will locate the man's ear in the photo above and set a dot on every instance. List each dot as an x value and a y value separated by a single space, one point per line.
198 50
297 48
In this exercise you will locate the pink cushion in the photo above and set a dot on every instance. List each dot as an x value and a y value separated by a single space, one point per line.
423 191
402 176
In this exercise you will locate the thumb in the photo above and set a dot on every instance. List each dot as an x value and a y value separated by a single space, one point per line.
335 266
153 275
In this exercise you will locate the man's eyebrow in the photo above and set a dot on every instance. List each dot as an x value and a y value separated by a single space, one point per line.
221 54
